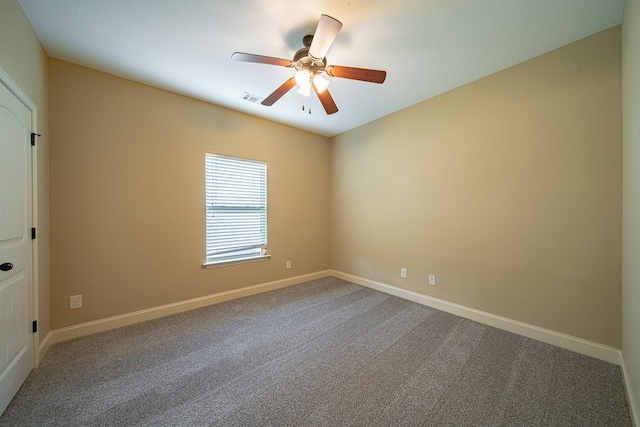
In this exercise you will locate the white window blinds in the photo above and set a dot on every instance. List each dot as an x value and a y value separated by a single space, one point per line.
236 198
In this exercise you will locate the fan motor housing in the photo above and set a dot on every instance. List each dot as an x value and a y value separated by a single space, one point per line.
304 61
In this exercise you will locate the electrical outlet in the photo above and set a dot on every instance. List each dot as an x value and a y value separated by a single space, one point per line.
75 301
432 279
403 273
288 265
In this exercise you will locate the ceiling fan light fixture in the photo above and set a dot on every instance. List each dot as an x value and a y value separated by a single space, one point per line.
320 83
305 90
303 78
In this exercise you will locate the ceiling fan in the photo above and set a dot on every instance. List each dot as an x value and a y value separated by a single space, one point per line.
310 62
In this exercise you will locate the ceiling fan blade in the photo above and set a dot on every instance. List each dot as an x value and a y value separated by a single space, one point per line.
326 100
325 34
363 74
260 59
278 93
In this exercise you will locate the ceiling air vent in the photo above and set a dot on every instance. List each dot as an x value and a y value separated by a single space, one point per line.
254 99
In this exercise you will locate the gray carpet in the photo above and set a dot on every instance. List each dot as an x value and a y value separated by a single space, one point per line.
323 353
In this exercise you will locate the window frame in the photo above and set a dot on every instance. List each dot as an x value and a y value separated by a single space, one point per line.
258 187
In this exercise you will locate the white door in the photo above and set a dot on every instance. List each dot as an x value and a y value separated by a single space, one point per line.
16 299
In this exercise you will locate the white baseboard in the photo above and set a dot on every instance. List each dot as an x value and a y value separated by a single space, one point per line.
631 397
44 346
88 328
579 345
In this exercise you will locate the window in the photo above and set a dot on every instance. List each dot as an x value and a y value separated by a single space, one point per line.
236 209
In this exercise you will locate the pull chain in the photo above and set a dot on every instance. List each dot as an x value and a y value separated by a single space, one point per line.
308 109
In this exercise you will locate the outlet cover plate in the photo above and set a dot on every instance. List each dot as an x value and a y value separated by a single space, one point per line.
75 301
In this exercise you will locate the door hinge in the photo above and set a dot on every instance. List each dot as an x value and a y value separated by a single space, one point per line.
33 138
34 326
33 233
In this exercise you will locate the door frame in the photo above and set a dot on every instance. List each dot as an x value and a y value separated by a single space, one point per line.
33 195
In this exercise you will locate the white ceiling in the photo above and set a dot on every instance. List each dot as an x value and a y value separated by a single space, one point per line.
427 47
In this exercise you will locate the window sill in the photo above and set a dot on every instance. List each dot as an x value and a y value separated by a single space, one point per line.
216 264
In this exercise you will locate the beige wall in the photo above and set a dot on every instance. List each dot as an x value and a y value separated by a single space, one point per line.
508 189
631 197
127 195
24 60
